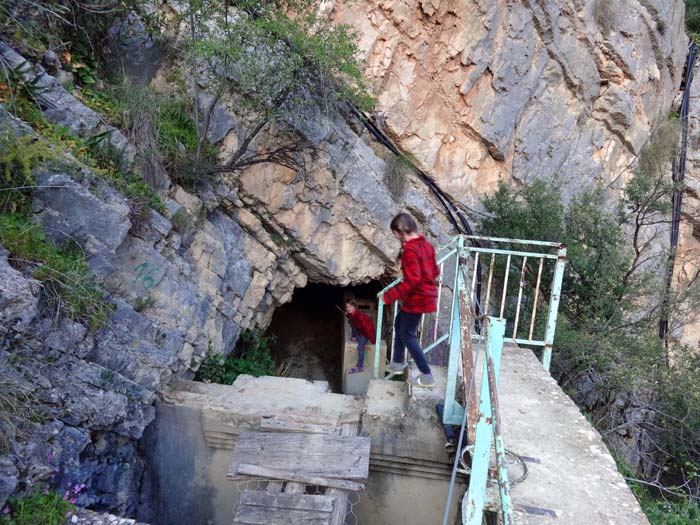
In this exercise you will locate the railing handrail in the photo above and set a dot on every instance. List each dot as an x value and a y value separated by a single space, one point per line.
515 241
458 247
459 332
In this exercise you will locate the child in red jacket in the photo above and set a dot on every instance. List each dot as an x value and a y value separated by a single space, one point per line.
362 328
418 294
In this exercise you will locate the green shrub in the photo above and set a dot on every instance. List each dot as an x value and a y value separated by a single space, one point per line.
607 330
68 287
162 127
251 356
692 18
45 508
285 62
19 157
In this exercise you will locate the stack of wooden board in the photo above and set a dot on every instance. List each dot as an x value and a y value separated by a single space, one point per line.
264 508
291 461
295 456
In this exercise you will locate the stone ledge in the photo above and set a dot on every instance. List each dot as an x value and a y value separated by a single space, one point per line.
88 517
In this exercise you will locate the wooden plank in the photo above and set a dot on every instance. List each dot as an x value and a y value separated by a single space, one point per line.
341 496
276 474
273 424
270 516
311 416
274 487
294 488
318 455
256 498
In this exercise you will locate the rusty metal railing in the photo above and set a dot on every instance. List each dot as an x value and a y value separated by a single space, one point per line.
548 258
536 266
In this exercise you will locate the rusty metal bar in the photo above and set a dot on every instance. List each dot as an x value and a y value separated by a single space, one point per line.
475 499
503 482
537 296
439 298
553 307
514 241
505 286
460 247
488 286
476 270
520 297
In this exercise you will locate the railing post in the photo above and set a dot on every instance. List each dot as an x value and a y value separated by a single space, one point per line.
475 499
378 343
453 411
455 298
553 306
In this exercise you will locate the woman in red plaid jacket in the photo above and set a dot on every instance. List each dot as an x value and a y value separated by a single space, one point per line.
417 293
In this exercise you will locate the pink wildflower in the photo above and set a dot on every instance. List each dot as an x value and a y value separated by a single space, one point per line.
6 510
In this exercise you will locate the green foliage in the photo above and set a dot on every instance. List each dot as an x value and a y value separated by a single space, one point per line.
251 356
163 128
269 54
668 510
533 212
77 29
45 508
19 157
607 330
692 18
182 221
671 512
68 287
16 400
285 69
19 96
141 303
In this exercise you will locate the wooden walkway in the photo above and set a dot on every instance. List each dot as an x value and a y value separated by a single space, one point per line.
331 460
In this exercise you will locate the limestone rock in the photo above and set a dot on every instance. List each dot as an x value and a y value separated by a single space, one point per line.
482 91
69 212
63 109
18 296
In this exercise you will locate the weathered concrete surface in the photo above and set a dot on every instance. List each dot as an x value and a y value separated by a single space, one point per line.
574 474
409 468
189 447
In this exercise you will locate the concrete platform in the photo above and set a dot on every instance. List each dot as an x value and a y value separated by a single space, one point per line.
571 471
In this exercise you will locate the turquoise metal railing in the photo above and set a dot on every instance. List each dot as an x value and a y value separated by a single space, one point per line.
459 329
547 258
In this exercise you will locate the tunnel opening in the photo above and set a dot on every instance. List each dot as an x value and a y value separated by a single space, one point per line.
307 333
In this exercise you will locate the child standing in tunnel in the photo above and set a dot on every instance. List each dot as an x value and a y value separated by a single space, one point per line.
362 329
417 293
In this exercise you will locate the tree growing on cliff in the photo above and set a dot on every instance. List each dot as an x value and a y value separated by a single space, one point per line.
287 71
607 350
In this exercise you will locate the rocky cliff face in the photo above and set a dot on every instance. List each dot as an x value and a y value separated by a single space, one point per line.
687 271
477 91
217 264
483 90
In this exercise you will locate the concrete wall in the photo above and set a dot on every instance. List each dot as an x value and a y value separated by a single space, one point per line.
405 500
187 479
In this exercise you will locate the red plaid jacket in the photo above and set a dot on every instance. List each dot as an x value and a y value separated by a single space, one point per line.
364 324
418 290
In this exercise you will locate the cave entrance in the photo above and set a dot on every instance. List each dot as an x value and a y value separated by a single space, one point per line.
310 333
